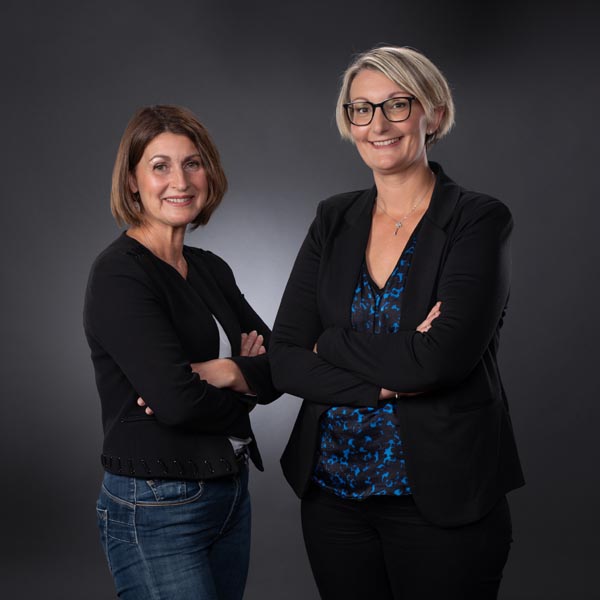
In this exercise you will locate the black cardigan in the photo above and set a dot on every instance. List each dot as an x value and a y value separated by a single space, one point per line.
460 451
145 324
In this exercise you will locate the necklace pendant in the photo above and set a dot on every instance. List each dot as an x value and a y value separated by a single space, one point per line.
398 225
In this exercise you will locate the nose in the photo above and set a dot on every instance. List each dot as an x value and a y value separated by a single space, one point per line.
179 179
379 122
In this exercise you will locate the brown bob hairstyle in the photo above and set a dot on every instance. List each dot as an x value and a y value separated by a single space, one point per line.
145 125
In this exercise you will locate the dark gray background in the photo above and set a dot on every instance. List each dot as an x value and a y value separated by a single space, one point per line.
263 77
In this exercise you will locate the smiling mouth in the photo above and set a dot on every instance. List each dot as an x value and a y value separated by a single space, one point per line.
178 200
383 143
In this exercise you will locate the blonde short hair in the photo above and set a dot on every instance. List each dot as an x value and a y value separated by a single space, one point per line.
145 125
411 70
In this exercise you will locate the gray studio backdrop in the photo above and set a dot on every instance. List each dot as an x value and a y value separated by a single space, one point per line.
263 77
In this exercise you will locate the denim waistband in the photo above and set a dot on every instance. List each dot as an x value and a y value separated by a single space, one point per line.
175 468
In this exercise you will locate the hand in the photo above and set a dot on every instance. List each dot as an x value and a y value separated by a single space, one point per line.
424 327
391 395
147 410
222 373
252 344
434 313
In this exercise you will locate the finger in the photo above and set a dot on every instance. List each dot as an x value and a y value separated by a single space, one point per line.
148 411
252 335
262 350
247 342
141 402
258 342
244 344
436 307
433 313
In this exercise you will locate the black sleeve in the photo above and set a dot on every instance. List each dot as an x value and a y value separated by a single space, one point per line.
125 315
296 368
473 288
255 369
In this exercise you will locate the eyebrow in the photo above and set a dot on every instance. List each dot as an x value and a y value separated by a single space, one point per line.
165 157
394 95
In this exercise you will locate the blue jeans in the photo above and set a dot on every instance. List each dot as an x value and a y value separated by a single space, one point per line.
176 540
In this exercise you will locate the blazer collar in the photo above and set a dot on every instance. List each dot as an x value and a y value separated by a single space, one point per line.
444 198
206 285
200 279
359 213
443 201
419 294
420 287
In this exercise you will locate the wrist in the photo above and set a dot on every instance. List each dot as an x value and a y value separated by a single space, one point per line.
237 381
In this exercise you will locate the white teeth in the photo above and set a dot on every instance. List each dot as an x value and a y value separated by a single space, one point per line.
177 200
385 142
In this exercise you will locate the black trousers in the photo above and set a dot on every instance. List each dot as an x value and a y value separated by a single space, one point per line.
382 549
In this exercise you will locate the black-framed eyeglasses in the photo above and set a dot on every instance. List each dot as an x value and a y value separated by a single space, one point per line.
394 109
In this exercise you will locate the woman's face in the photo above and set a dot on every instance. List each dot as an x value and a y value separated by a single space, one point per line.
387 147
171 181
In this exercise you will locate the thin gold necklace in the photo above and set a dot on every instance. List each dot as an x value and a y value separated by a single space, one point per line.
399 222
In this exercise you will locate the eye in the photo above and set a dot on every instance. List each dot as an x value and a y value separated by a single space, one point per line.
362 109
399 104
193 165
160 167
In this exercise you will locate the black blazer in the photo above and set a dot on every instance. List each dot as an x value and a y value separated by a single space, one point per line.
145 324
460 450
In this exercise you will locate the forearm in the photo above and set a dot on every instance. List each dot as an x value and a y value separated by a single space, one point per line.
303 373
254 369
222 373
256 372
296 368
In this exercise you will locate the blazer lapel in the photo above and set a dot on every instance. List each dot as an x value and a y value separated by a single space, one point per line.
420 286
417 300
209 290
345 255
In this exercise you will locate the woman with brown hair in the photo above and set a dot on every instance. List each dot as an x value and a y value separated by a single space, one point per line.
180 360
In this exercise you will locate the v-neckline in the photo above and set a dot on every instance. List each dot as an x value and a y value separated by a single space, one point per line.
410 240
380 291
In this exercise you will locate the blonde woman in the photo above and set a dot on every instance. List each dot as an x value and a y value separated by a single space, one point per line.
388 328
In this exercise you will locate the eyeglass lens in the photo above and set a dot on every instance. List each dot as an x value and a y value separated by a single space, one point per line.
394 109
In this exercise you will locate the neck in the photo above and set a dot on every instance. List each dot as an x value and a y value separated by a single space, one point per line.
399 191
165 243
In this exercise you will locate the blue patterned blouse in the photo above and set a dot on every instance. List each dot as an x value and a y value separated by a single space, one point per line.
361 453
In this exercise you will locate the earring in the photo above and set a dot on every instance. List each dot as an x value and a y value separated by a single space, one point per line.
136 202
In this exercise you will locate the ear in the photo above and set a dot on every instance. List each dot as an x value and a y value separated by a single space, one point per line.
133 183
438 115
